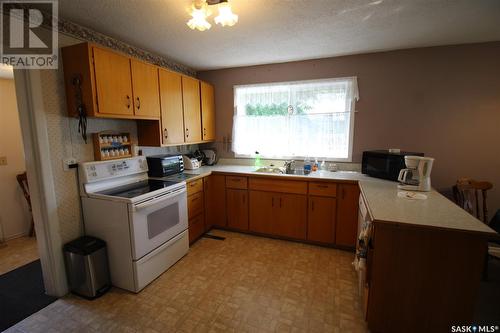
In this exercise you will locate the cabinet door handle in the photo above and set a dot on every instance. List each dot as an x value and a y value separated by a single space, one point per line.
280 202
187 132
204 132
312 204
322 186
138 103
165 133
343 193
128 102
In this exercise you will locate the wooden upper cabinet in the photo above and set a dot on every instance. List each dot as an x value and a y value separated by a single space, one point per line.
145 89
113 83
207 111
172 121
347 215
237 209
79 77
192 114
321 219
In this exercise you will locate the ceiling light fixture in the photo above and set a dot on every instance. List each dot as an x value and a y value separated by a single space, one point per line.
200 12
226 16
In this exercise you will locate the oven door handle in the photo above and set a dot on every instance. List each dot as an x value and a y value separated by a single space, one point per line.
158 199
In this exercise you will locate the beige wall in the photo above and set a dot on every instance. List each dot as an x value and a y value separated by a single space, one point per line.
14 212
443 101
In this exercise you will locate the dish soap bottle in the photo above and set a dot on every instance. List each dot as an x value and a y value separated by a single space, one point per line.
307 166
257 160
315 165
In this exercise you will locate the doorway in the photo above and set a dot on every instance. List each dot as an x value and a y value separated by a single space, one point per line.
22 290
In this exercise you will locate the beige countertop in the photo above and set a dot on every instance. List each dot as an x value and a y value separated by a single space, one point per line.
350 176
436 211
382 199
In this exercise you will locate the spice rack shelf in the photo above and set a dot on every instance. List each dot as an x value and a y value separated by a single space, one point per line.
111 146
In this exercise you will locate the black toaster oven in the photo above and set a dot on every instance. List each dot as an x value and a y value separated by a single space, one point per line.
164 165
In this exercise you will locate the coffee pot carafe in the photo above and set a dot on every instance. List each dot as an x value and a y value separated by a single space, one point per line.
417 174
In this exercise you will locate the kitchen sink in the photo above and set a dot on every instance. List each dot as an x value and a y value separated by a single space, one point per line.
297 172
271 170
281 171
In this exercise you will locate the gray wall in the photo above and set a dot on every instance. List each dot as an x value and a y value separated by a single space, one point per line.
443 101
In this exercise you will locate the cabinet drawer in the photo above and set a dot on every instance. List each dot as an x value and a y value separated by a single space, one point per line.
195 186
323 189
236 182
195 204
196 228
285 186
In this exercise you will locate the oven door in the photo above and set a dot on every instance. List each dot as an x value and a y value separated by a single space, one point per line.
157 220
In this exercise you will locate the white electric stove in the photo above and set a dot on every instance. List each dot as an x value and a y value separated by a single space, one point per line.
143 221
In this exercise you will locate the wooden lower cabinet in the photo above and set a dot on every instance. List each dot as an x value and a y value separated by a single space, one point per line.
347 215
423 279
237 209
196 228
214 187
319 212
321 219
290 216
196 209
261 205
278 214
195 204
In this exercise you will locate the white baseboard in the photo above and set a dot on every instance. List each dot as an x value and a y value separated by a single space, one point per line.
22 234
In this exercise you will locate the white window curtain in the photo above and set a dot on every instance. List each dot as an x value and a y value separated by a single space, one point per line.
295 119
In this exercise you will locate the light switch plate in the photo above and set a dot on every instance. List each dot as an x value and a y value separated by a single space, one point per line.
67 162
3 160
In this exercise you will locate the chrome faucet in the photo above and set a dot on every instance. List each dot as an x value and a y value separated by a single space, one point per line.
289 165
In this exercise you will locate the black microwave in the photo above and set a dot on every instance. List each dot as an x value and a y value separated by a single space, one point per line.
383 164
164 165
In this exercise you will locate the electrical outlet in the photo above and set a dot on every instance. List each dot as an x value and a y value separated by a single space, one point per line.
67 162
3 160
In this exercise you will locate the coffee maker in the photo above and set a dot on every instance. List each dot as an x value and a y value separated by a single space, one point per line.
417 175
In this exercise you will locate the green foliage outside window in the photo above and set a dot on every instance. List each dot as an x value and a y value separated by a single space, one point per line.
274 109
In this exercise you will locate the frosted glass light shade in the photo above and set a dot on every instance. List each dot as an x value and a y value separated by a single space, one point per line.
199 19
226 17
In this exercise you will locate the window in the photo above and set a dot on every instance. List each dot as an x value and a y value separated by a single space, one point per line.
295 119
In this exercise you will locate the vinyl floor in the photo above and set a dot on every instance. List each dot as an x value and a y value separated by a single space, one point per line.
241 284
17 252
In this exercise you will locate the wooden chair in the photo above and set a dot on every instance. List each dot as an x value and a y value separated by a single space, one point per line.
22 179
471 195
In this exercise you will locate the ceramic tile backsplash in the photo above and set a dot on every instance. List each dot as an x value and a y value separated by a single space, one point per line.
148 151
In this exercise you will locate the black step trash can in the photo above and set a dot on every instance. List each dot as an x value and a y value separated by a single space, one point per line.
86 262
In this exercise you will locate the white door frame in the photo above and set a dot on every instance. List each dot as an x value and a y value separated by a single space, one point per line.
40 178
